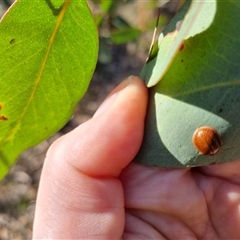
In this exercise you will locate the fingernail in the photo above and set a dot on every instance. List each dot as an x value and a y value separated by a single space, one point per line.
106 103
112 96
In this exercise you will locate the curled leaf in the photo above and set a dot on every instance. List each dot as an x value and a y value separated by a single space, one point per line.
198 17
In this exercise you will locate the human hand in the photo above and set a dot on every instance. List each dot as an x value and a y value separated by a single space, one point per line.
90 190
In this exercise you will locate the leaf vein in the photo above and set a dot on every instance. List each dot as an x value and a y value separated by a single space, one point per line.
52 38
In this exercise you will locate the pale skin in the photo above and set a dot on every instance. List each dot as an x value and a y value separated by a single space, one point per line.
90 189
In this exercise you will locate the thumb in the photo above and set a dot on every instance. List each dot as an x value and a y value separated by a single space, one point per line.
104 145
79 195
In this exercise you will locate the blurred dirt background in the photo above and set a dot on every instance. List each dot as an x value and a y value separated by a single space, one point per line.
18 190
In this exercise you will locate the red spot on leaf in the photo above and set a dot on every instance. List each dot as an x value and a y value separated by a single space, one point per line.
181 47
3 118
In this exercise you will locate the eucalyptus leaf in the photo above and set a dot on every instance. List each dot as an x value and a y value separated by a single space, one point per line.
48 52
199 17
201 88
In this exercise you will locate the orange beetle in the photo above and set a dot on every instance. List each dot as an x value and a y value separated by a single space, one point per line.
207 140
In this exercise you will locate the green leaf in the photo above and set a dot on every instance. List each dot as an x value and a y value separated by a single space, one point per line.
201 88
105 54
124 35
118 22
106 7
199 18
48 52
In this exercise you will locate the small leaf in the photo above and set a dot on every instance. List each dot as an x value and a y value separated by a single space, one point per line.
201 88
48 52
123 35
106 7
